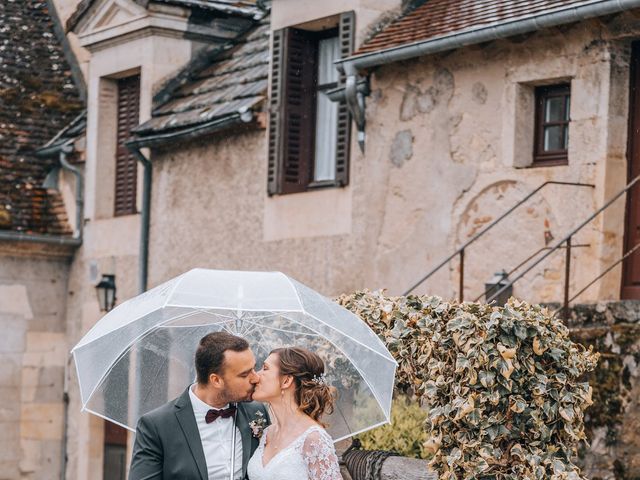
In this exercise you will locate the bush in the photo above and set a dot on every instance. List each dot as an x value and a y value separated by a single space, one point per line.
502 383
405 435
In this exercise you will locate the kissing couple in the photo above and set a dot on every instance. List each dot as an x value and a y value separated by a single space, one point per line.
218 424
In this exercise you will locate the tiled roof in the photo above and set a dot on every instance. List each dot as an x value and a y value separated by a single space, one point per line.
246 8
437 18
37 98
232 81
68 135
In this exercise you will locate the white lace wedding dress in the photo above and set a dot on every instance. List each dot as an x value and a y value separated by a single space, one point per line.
311 456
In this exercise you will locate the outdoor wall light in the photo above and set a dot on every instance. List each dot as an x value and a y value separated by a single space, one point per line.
106 290
499 280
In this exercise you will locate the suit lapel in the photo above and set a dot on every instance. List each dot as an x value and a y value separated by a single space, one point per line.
242 422
187 421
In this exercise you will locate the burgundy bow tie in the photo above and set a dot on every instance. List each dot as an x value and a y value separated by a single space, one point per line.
213 415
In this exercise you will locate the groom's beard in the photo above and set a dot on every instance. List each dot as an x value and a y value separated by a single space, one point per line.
236 397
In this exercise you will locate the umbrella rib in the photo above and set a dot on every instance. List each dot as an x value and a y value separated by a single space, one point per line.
286 331
354 365
157 373
362 430
344 418
109 419
390 358
305 311
128 347
178 282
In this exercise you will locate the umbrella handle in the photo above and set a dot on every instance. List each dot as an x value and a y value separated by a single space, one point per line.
233 446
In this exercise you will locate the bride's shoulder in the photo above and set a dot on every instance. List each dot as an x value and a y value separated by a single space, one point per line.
317 435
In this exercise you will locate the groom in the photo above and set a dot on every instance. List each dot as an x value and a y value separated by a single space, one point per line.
191 437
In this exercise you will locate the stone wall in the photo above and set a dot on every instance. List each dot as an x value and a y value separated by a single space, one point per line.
33 353
613 421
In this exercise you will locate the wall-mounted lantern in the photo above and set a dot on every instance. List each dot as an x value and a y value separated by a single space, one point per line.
106 291
497 282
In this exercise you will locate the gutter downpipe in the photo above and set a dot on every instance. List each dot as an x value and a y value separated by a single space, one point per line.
143 257
64 151
353 65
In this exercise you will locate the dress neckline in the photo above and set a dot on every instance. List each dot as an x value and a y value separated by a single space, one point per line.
291 444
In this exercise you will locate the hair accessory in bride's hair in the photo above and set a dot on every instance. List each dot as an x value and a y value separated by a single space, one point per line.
320 379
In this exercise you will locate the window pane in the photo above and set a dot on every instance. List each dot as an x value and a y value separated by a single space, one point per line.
566 107
554 109
328 52
566 137
326 138
554 138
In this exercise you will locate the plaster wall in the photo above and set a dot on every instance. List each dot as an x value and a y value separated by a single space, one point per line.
208 210
110 247
33 355
469 115
446 153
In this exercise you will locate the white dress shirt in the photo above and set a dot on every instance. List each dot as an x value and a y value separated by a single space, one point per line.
216 440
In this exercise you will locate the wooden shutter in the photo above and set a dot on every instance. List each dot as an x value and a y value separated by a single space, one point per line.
299 111
347 38
126 165
278 55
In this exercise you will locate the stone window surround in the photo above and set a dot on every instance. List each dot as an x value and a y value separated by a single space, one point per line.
523 118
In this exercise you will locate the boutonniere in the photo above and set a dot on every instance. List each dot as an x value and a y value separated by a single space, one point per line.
257 424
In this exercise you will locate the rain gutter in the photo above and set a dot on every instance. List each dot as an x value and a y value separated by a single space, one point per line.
39 238
352 66
64 151
137 143
243 116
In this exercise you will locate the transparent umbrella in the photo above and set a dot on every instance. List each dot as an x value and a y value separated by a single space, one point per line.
140 355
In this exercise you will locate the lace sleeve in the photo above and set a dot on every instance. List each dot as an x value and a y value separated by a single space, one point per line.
320 457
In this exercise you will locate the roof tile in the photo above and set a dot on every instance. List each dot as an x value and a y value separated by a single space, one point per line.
234 81
437 18
37 98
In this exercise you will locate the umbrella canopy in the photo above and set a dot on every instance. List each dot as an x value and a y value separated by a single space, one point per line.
141 354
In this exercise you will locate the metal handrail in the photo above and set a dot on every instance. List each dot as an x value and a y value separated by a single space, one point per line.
525 261
609 268
567 240
460 251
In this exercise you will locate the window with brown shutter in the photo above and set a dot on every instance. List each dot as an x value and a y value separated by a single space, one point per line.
308 134
126 165
552 125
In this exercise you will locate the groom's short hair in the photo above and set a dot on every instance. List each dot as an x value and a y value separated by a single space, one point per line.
210 353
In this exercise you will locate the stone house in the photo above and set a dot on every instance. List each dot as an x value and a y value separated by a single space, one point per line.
220 134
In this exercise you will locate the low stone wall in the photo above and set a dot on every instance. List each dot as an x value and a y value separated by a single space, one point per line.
613 421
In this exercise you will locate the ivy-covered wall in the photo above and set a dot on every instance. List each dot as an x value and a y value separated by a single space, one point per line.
612 423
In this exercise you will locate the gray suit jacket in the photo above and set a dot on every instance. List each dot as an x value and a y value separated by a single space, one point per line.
168 445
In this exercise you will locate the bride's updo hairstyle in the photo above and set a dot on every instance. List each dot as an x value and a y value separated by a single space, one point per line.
312 394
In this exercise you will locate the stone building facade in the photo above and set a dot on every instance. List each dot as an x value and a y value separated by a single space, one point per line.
448 146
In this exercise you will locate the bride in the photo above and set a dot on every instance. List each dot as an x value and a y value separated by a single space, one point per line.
295 446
